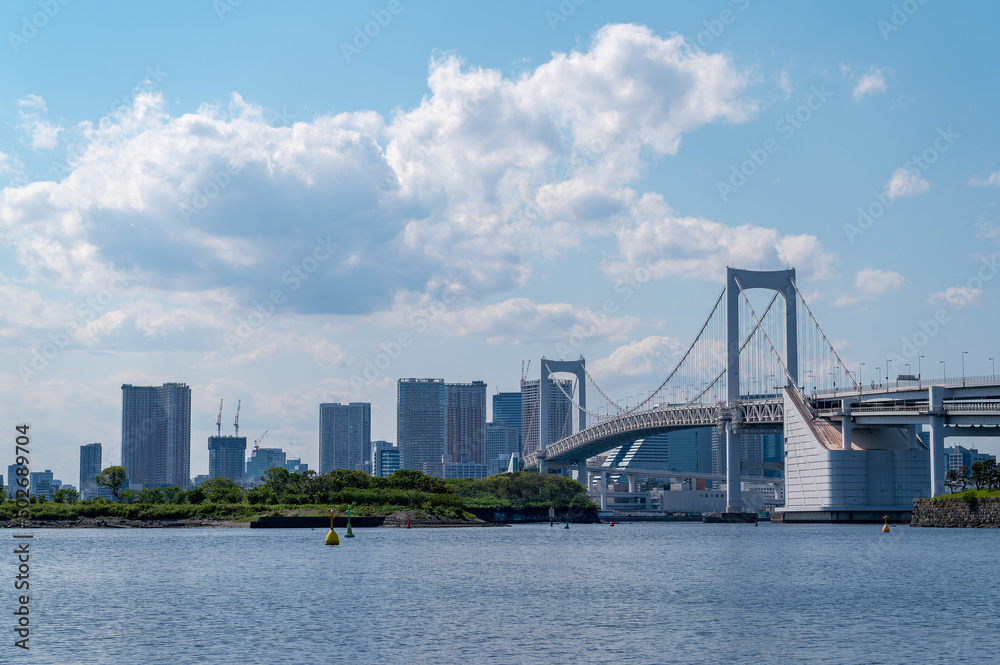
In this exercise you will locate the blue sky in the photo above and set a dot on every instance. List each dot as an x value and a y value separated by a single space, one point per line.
250 198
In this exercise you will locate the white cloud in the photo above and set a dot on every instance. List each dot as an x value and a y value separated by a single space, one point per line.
650 355
871 82
870 283
464 188
906 183
784 82
44 135
956 296
992 180
663 244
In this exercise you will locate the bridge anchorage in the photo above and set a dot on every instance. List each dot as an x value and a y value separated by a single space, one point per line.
849 452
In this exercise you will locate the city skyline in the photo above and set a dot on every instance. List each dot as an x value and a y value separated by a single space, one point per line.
460 195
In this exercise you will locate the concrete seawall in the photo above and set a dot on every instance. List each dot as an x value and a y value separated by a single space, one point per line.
956 513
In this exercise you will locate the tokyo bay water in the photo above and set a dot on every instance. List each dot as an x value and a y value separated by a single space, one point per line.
632 593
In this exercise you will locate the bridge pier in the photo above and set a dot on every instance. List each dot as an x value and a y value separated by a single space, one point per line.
935 409
846 425
604 490
543 466
582 473
631 481
734 494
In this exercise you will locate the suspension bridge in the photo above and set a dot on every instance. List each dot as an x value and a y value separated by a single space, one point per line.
766 363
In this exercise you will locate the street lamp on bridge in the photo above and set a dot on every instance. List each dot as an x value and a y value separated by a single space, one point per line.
887 361
878 372
944 371
993 374
918 367
963 367
860 365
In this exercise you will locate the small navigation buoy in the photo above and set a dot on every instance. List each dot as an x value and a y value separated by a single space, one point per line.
612 521
331 537
349 534
567 521
885 527
407 522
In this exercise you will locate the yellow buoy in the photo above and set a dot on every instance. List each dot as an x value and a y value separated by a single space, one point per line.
885 527
331 537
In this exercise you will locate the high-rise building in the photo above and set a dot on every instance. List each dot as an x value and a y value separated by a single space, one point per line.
262 459
465 422
501 442
420 428
90 466
345 434
296 465
227 457
156 435
507 409
560 424
756 445
12 484
385 459
41 483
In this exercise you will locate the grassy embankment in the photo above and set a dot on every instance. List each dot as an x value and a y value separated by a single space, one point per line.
285 493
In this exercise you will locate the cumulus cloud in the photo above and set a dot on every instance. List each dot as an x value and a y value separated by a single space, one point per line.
906 183
461 188
956 296
869 283
871 82
650 355
43 134
662 244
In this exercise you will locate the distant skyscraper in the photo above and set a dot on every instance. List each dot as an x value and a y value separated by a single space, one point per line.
12 485
345 433
295 465
420 428
501 442
90 466
507 409
41 483
262 459
560 424
227 457
465 422
385 459
156 435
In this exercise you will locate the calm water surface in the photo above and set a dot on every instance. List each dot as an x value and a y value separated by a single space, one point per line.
632 593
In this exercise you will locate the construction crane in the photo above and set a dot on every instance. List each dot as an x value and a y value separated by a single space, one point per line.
218 422
237 423
256 444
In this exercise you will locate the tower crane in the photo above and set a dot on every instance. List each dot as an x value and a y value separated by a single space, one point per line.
256 444
218 422
237 423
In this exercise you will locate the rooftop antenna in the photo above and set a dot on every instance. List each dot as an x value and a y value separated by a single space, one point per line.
218 422
237 423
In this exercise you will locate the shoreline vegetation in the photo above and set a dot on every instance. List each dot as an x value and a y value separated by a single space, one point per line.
219 502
